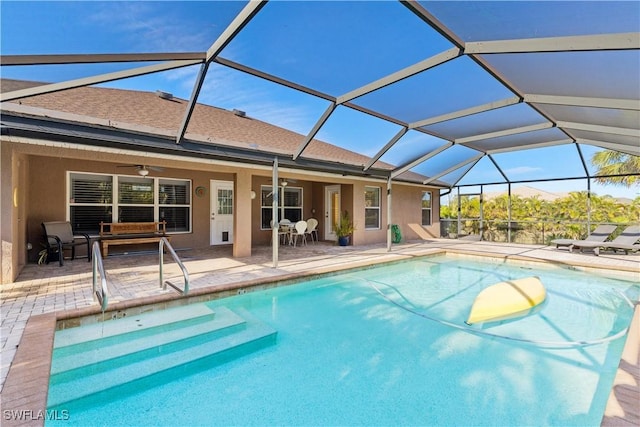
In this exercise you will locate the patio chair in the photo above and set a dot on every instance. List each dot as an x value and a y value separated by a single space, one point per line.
312 225
58 236
600 234
283 232
625 241
299 230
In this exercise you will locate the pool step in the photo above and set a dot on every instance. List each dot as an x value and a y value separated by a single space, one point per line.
87 361
99 334
122 368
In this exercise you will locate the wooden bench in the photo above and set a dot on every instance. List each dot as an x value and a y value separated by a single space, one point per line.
130 233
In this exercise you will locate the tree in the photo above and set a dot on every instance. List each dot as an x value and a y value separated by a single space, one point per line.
615 163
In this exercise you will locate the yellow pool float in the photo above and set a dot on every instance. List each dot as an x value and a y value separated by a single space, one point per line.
508 299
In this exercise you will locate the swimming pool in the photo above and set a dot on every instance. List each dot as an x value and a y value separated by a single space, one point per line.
381 347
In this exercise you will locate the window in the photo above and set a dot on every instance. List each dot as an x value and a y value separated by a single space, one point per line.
108 198
225 201
135 199
372 207
174 204
426 208
90 201
290 205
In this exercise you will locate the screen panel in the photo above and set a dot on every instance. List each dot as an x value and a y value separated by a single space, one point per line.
510 117
503 20
453 86
334 47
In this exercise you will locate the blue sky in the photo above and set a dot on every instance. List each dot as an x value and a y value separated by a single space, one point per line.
294 40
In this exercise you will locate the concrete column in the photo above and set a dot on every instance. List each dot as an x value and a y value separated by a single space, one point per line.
11 200
242 214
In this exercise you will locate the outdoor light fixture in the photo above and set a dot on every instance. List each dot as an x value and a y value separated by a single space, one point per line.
143 172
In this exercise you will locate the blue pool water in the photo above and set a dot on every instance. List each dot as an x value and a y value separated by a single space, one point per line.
388 346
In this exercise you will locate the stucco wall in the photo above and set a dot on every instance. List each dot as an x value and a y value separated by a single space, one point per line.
47 195
407 212
8 269
39 175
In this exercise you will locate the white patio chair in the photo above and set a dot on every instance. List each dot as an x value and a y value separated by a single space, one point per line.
312 223
299 231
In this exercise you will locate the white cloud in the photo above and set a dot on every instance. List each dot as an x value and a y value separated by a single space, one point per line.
143 28
230 89
521 170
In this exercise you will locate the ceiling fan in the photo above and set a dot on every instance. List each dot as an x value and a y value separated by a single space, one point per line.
143 170
283 183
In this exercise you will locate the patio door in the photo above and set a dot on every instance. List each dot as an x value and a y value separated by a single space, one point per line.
332 210
221 228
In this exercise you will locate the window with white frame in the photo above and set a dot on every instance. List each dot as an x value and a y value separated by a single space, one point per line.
290 205
135 199
371 207
90 201
426 208
116 198
174 204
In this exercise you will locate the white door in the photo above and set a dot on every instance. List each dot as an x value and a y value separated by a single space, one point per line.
221 212
331 210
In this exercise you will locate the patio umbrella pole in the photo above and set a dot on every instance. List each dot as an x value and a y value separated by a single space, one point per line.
274 212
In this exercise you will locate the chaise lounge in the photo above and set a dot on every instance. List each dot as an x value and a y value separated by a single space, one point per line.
625 241
600 234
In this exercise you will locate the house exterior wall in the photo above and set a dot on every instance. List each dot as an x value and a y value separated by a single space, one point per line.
38 173
47 196
406 212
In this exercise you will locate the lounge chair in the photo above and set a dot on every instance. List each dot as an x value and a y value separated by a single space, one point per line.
625 241
600 234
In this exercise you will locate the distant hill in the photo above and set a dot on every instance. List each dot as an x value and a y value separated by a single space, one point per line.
526 191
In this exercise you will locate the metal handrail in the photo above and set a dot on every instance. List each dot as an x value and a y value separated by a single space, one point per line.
98 267
164 242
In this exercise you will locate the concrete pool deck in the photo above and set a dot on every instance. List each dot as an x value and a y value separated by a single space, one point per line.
45 295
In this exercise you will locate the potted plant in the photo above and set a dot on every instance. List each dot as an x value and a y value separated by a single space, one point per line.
343 229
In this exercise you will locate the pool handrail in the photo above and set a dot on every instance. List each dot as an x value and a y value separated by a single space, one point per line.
165 243
97 264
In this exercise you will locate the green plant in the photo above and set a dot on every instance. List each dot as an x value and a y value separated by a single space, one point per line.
42 256
344 227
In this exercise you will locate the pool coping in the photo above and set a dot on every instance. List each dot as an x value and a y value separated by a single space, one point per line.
27 383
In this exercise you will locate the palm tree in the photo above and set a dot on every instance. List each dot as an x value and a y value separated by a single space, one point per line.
615 163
